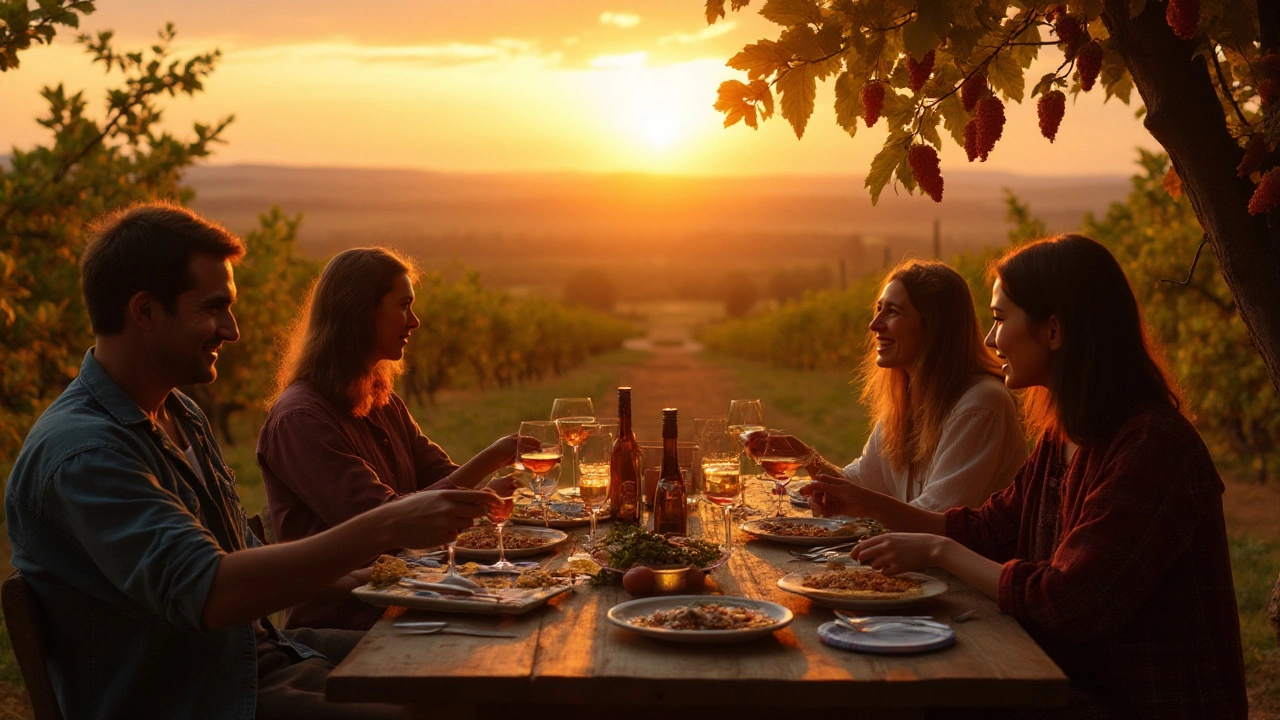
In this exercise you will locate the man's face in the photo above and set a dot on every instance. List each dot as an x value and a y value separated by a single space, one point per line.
188 339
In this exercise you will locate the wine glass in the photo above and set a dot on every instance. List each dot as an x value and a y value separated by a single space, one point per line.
570 414
781 457
745 417
540 453
500 516
593 480
721 472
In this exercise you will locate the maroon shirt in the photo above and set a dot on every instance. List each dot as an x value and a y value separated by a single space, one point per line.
1117 565
322 466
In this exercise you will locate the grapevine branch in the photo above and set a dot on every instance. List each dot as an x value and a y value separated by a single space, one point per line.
1204 240
1226 89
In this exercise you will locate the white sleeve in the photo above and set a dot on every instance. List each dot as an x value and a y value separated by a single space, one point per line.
970 453
868 470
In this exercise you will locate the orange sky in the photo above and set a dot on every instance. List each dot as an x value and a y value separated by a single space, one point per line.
508 85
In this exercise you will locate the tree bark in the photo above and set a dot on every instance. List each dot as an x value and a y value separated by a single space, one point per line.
1185 116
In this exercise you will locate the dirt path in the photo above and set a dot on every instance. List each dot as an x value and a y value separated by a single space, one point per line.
674 378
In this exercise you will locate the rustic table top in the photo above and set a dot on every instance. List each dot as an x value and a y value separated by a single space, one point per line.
568 654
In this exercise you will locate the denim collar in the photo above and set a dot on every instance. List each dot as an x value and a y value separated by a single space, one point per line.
115 400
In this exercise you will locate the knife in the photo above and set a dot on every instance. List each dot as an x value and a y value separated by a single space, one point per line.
457 631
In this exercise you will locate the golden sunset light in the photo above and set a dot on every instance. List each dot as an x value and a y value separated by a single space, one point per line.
511 86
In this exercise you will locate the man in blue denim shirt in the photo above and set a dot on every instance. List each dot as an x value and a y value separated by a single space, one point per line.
126 521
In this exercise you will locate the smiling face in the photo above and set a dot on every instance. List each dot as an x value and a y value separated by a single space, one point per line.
393 320
189 338
1026 348
898 328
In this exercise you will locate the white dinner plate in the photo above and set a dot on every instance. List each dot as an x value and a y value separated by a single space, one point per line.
554 538
622 613
755 527
794 583
890 637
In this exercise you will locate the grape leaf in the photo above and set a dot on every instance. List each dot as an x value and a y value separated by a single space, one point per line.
792 12
1005 76
761 59
715 11
885 162
798 87
848 102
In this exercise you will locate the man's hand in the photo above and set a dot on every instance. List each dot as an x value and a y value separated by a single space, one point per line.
503 487
435 517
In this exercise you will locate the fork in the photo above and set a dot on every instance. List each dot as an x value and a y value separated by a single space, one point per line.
814 553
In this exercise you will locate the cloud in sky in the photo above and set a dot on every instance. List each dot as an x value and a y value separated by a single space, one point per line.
707 33
498 50
622 20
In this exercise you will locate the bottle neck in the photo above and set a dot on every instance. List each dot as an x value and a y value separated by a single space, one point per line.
624 416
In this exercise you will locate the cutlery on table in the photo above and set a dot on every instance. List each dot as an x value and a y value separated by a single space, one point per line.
444 588
435 628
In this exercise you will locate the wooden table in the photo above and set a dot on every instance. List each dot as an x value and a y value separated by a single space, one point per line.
567 655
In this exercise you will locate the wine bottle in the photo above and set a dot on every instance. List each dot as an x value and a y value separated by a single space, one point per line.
669 515
624 466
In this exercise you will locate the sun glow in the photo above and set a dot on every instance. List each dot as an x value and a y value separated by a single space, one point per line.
654 112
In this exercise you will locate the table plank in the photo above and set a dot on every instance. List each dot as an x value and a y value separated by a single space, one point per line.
567 654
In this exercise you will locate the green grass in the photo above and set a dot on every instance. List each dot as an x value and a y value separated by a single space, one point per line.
821 408
1254 566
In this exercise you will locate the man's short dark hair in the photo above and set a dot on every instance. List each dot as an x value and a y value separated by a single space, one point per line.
146 247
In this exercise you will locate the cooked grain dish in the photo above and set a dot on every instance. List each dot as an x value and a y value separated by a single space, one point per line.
488 540
704 616
387 570
562 511
866 583
795 529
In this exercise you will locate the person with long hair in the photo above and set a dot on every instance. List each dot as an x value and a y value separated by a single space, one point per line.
945 429
338 440
1110 546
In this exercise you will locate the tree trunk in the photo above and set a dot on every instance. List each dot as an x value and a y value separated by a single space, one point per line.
1185 116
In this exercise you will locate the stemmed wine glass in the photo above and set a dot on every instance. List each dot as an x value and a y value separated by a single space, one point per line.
782 456
540 453
570 415
593 481
500 516
721 472
745 417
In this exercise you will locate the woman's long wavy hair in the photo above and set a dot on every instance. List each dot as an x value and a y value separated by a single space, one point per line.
1109 366
913 408
332 341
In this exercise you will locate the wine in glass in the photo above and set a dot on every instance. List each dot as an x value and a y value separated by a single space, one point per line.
570 416
540 453
593 481
721 473
781 457
745 417
500 515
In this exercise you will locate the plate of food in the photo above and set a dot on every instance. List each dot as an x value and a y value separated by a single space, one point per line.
812 531
861 588
482 543
698 619
627 546
560 514
395 582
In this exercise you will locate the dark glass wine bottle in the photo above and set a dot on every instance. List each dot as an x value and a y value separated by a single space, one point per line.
624 466
669 514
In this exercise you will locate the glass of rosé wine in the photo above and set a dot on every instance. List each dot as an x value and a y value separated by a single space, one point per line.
571 416
540 453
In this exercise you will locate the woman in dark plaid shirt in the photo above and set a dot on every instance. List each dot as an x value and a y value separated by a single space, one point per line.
1110 546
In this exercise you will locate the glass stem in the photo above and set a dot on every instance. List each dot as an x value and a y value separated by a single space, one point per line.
453 567
728 529
502 553
591 539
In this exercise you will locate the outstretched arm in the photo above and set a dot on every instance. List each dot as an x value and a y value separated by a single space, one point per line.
253 582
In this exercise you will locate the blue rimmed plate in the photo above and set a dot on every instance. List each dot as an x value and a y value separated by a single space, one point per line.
889 636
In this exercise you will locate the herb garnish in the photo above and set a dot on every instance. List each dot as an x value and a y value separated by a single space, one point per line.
628 545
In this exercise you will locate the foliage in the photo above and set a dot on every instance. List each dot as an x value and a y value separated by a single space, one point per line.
21 25
48 193
1203 336
471 334
592 288
271 280
629 545
888 45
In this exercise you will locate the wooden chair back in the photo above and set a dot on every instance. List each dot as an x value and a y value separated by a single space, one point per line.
23 618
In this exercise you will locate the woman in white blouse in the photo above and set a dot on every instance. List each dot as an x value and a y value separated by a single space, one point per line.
945 429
